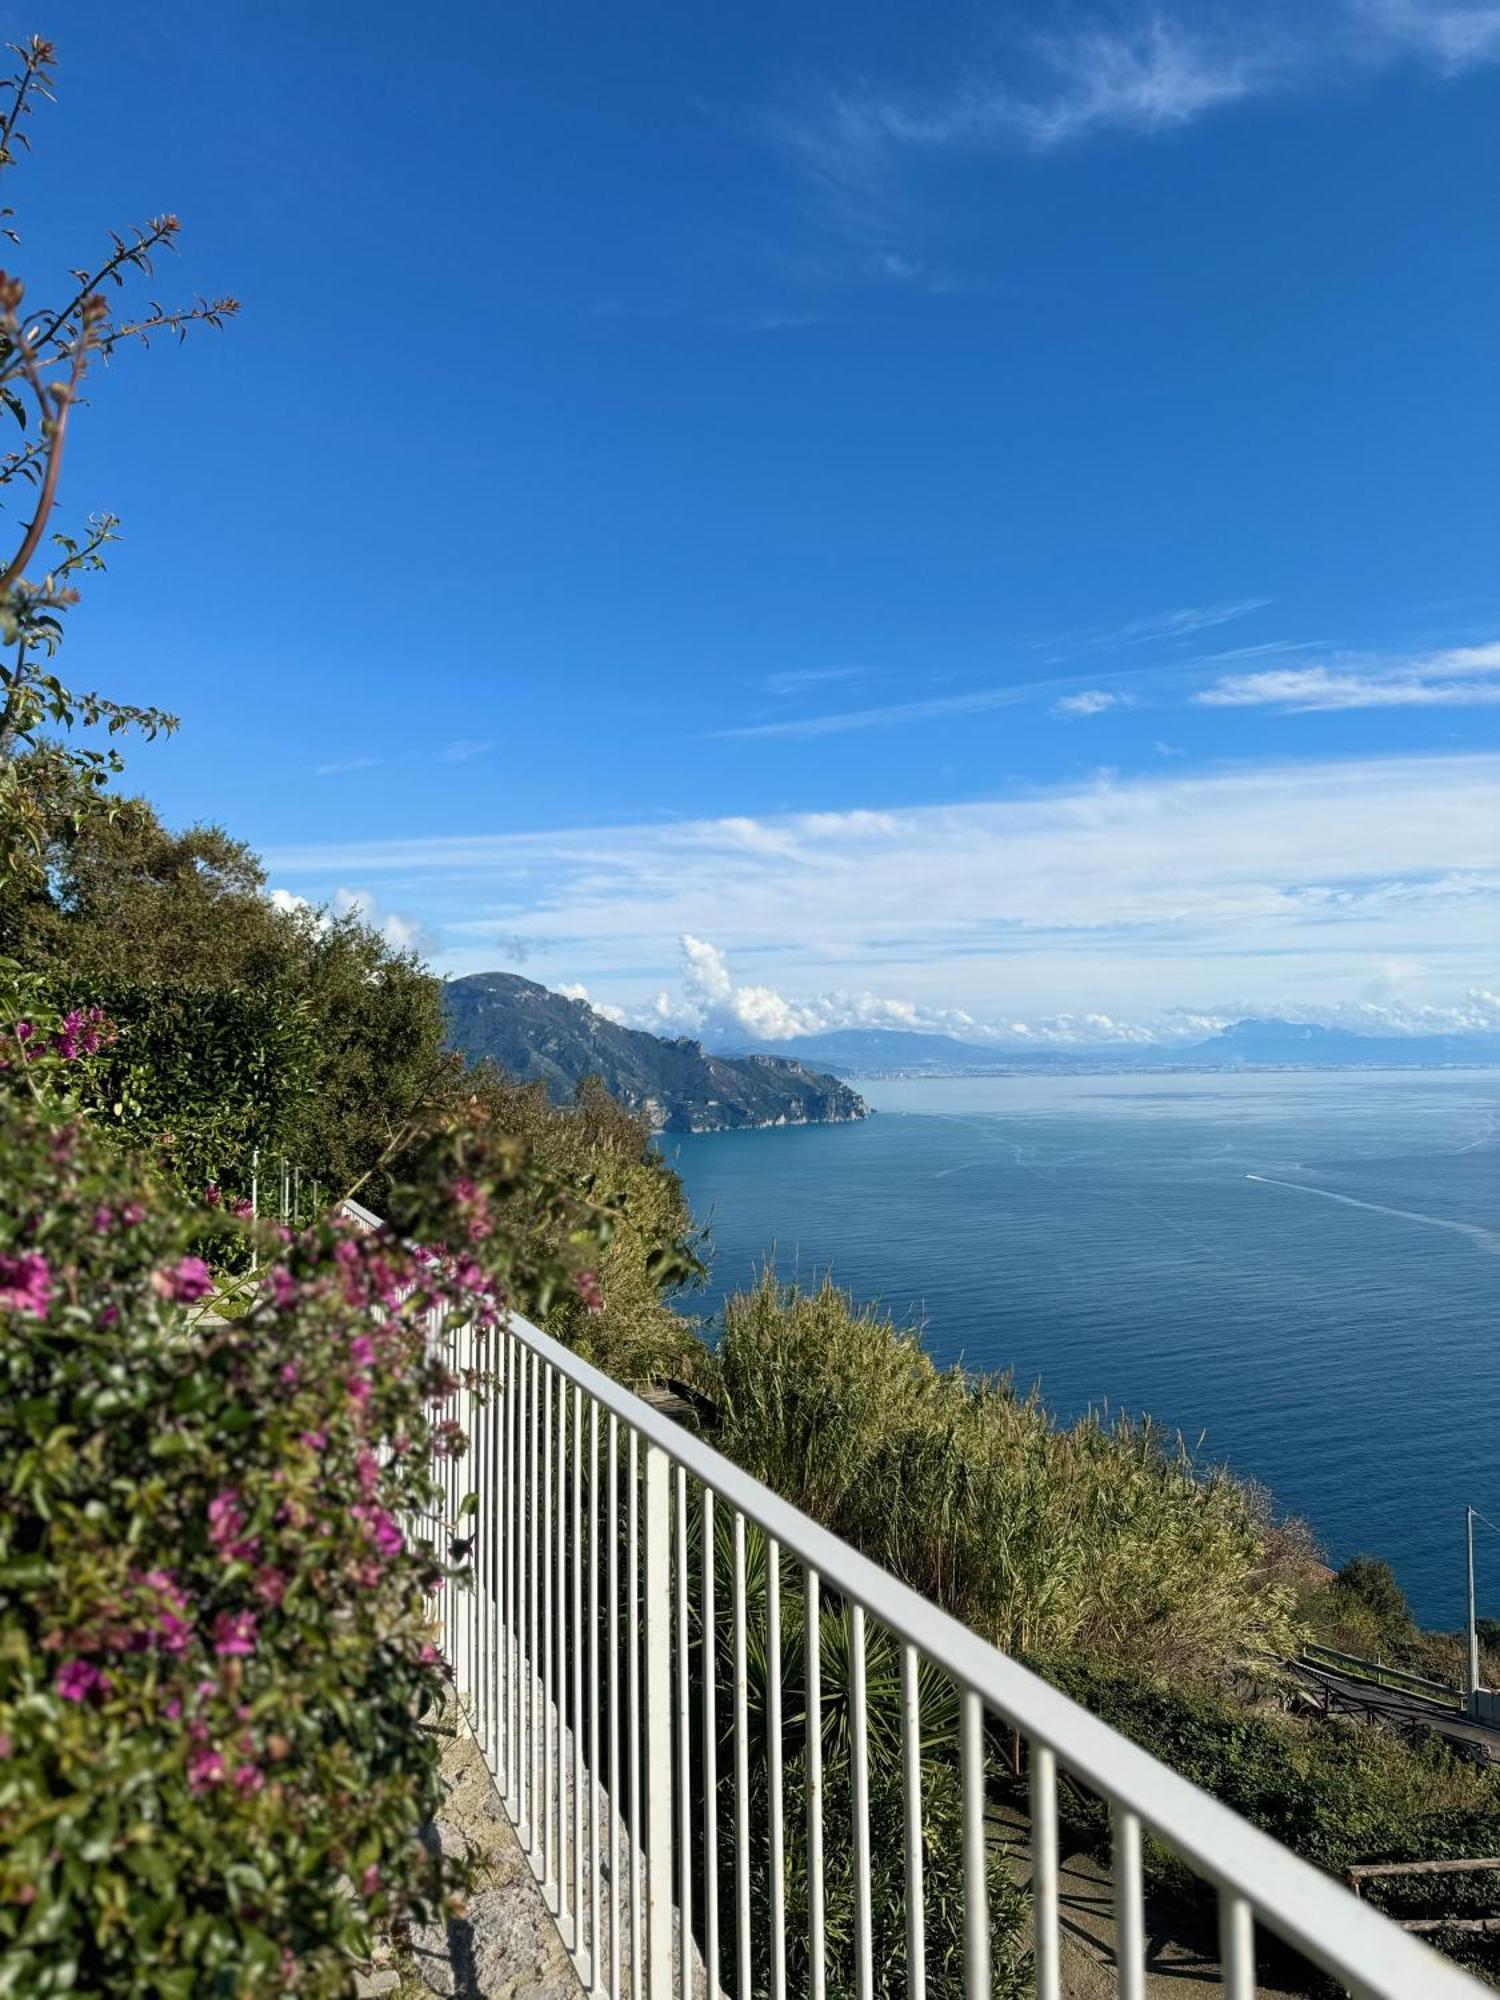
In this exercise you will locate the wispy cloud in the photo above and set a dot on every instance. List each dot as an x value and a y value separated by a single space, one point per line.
1453 38
1272 885
342 766
1147 75
798 680
1462 677
467 748
1089 701
1144 68
980 702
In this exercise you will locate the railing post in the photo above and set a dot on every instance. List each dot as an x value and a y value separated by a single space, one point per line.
656 1616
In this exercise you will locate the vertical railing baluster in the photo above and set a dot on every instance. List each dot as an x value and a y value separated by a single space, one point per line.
859 1784
774 1772
684 1751
549 1879
1236 1945
614 1708
1044 1872
521 1729
656 1610
710 1757
1130 1921
533 1706
596 1957
976 1855
561 1692
577 1659
503 1567
741 1766
633 1700
813 1643
911 1784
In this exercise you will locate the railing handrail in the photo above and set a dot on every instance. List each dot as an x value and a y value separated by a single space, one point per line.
1308 1909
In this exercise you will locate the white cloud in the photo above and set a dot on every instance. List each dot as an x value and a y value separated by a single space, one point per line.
1159 628
1091 701
401 932
1143 68
345 765
1453 38
1149 74
797 680
1462 677
711 1002
466 748
1266 887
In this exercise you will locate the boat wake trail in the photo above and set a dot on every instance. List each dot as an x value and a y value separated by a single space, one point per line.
1482 1239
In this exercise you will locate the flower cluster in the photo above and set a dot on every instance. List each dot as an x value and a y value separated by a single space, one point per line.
82 1031
216 1619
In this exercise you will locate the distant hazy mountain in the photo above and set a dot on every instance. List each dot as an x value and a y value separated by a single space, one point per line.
535 1034
1243 1044
1303 1042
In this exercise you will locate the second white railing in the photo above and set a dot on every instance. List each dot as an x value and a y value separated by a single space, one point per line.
623 1659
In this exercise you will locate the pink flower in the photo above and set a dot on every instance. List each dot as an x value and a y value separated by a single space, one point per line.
270 1587
25 1284
247 1778
289 1372
132 1214
205 1768
104 1221
283 1289
381 1529
369 1882
589 1292
173 1708
362 1350
367 1469
241 1210
189 1280
211 1195
226 1528
315 1440
78 1679
234 1633
109 1316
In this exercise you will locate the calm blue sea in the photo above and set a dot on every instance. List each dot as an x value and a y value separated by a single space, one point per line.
1301 1269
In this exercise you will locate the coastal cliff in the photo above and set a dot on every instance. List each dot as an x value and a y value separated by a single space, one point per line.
537 1035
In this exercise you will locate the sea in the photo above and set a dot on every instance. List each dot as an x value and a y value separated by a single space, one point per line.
1298 1271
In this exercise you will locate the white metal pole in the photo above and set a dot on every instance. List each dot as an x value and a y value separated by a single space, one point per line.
1473 1624
656 1607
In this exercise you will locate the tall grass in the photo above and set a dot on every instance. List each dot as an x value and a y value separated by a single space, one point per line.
1103 1538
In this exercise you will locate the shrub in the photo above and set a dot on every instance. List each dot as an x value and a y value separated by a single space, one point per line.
1338 1793
214 1652
601 1148
1104 1536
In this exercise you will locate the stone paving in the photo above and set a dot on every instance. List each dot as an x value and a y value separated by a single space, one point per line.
505 1947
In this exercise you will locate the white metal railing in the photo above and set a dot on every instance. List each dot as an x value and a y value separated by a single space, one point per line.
606 1657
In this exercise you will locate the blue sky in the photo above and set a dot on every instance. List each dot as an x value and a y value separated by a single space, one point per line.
985 515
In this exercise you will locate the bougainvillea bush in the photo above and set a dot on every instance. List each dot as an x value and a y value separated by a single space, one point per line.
214 1654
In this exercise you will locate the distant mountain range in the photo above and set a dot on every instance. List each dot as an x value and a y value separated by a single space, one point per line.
539 1035
1249 1044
